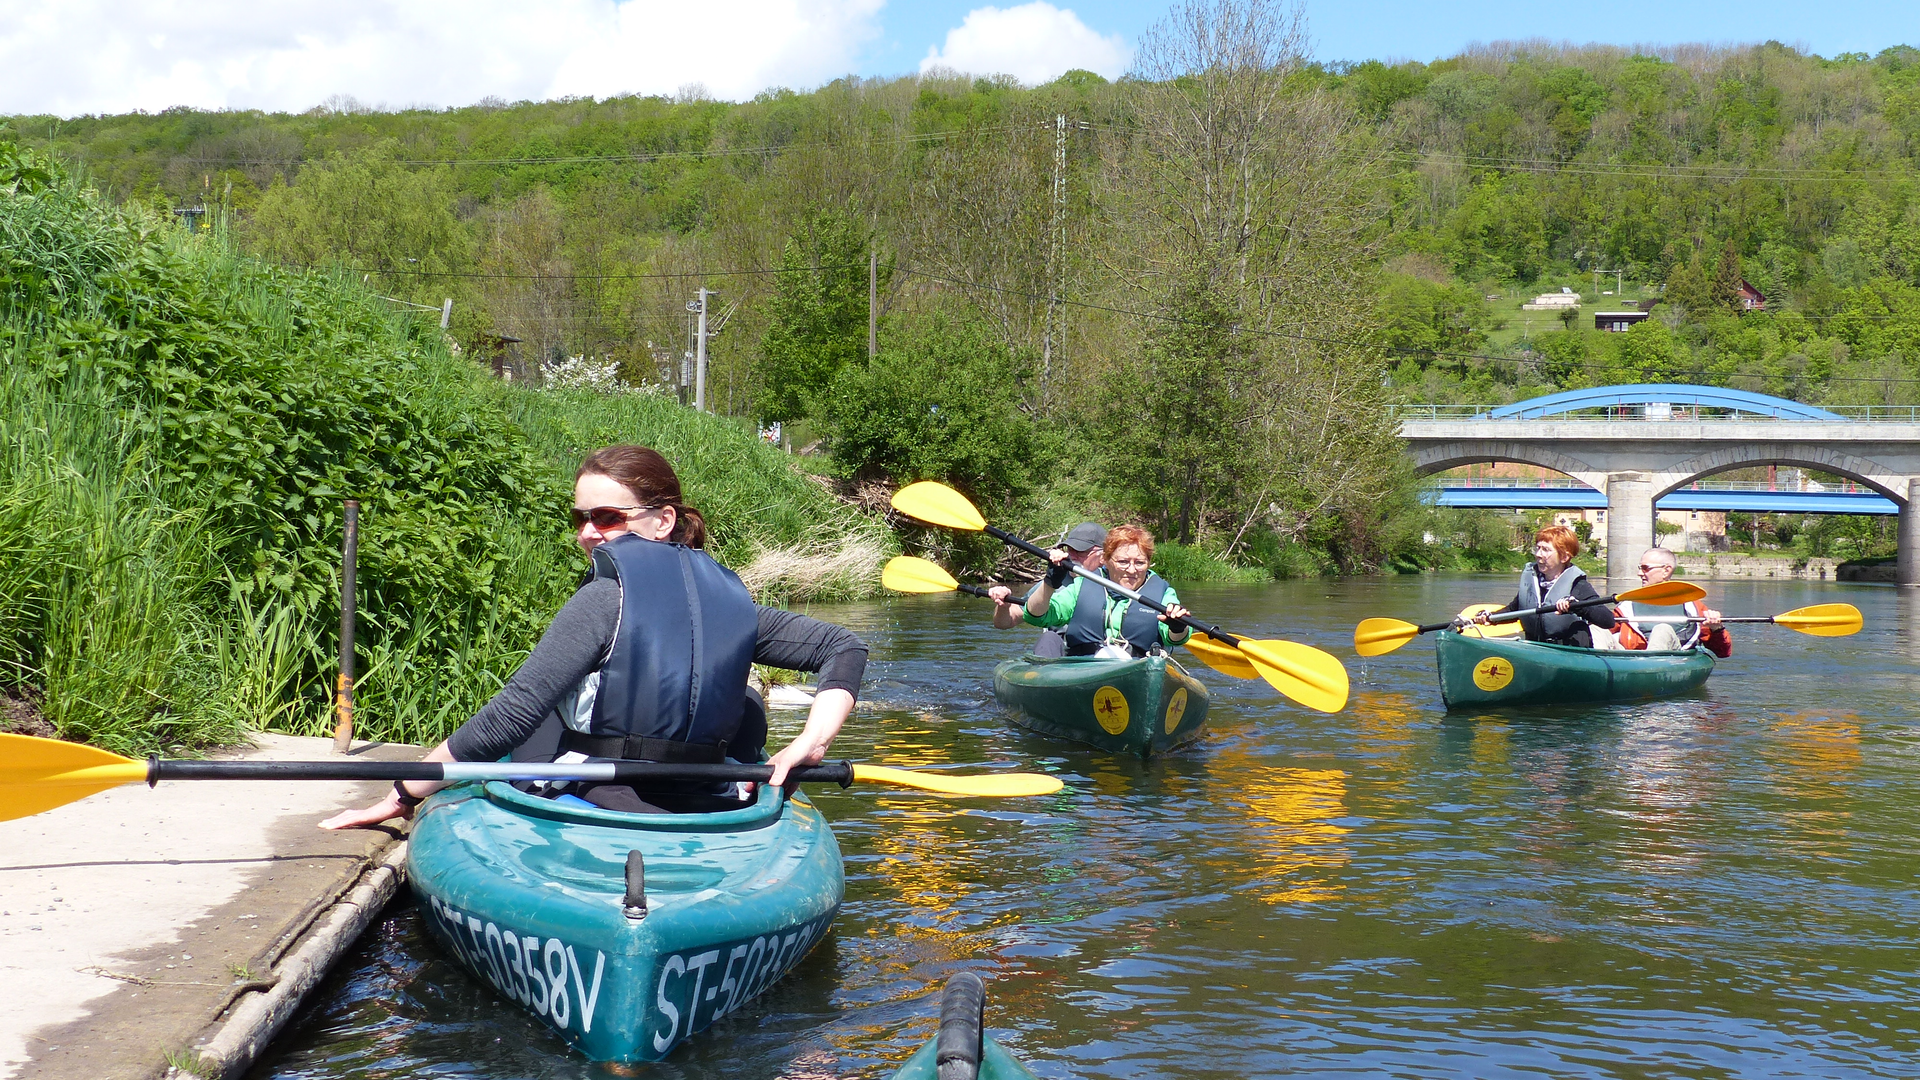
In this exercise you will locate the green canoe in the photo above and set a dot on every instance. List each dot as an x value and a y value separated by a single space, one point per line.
1480 672
625 933
1140 706
963 1050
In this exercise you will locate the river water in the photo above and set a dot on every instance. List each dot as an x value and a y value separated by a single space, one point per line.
1717 885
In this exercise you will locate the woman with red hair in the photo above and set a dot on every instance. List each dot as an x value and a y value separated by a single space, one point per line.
1097 621
1552 579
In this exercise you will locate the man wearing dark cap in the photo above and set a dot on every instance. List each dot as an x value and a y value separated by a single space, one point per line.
1082 544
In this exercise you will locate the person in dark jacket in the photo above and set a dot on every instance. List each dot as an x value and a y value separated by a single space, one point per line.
1552 579
650 658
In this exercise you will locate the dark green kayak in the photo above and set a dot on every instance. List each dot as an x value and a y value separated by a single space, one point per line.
963 1050
1478 672
624 933
1140 706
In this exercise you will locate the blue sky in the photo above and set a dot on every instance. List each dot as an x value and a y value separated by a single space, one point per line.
1426 30
71 57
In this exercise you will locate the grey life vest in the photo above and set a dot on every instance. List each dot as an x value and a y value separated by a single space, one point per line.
673 685
1555 626
1139 624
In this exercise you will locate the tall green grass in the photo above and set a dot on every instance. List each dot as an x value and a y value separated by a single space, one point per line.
178 427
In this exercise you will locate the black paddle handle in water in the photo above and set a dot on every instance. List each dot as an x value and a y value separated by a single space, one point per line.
623 772
1039 552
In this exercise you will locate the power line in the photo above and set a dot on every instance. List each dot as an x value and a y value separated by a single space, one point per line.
1374 346
636 157
690 274
1716 171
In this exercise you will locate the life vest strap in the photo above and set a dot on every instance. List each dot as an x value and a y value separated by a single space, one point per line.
642 748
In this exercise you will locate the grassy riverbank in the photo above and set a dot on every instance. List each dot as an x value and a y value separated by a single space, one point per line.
178 427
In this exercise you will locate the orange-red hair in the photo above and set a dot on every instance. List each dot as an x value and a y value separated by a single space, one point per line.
1563 540
1122 535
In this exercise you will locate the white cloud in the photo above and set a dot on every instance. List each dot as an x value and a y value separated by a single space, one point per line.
1034 43
88 56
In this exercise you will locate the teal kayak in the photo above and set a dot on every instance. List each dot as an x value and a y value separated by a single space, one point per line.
625 933
1486 672
1143 706
963 1050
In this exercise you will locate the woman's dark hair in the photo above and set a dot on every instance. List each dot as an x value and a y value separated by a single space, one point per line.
644 472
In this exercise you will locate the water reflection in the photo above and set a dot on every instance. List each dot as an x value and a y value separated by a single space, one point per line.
1716 886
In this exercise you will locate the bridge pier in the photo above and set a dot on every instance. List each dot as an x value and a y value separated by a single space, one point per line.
1909 553
1630 526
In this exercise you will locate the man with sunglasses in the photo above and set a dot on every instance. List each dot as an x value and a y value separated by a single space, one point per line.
1657 565
1083 544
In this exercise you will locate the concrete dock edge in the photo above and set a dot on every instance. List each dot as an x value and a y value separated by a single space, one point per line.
231 1046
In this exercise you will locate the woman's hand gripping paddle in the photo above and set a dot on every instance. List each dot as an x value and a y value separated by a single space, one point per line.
1305 674
40 774
1377 637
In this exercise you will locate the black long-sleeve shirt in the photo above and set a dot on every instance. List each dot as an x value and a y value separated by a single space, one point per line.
577 642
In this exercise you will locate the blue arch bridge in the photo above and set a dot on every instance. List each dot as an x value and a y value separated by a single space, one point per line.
1629 450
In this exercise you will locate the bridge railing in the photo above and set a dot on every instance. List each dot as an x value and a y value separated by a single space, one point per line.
1907 414
1801 485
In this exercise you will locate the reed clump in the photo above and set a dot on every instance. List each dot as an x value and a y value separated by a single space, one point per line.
178 428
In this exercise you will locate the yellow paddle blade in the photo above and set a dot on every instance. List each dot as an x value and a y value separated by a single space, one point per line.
912 575
1378 637
937 504
993 785
1309 676
1474 629
1665 594
1822 620
40 774
1222 657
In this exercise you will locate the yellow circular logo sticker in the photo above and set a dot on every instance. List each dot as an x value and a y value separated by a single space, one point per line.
1110 708
1176 708
1492 673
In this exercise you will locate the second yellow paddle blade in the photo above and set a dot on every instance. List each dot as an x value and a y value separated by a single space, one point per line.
1309 676
1474 629
994 785
1222 657
914 575
1378 637
40 774
1665 594
937 504
1822 620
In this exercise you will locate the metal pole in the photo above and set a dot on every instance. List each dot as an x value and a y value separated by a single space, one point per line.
873 304
343 691
446 313
700 357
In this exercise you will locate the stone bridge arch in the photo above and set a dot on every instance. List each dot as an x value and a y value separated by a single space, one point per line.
1825 459
1440 457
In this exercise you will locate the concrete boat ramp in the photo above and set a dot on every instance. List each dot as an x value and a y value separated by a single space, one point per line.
175 930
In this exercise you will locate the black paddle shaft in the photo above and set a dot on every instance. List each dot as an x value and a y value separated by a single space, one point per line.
624 772
1039 552
1543 609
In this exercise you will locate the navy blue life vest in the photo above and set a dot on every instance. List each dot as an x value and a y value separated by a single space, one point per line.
677 671
1139 624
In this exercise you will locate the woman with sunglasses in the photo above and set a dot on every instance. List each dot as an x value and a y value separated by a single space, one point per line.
1098 622
650 658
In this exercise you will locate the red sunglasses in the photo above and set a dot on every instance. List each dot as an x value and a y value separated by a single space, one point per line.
606 517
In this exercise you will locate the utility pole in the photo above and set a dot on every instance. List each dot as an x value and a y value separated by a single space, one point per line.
873 304
1055 335
699 307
